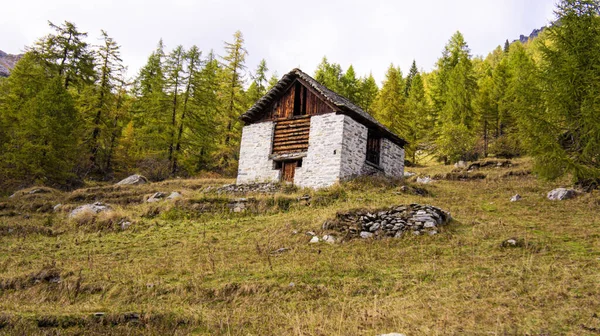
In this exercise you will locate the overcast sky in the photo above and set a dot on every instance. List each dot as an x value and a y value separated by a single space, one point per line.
369 34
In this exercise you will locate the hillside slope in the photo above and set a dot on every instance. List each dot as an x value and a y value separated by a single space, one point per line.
192 266
7 62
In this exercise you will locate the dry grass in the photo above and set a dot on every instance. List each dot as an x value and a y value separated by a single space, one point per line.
186 271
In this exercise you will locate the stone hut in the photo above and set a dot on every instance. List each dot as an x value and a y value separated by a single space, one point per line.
303 133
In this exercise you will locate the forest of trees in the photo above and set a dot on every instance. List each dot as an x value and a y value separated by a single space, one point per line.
68 114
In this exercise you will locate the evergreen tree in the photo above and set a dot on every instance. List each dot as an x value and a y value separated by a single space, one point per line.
330 75
417 110
571 71
350 85
455 89
175 82
111 68
233 65
368 93
258 88
390 109
67 54
411 74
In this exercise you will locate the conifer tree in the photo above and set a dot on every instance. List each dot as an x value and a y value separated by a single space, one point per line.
110 74
571 71
330 75
368 93
390 109
350 85
411 74
258 88
233 65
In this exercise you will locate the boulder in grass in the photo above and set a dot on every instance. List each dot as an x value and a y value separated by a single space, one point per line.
561 194
516 198
133 180
156 197
94 207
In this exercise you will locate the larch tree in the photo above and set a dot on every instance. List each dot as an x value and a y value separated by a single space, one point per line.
390 109
367 93
350 85
571 71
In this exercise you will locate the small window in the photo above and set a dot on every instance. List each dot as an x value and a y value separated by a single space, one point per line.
299 163
373 147
278 165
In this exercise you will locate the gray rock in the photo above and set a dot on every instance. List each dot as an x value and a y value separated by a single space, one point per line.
429 225
424 180
314 239
125 225
561 194
366 235
329 239
516 198
409 174
174 195
433 233
133 180
375 227
156 197
94 207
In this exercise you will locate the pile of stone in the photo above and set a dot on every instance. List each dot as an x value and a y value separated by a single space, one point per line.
96 208
391 222
247 188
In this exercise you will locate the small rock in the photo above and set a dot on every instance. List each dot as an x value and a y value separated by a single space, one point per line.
366 235
174 195
561 194
99 314
424 180
292 284
429 225
516 198
56 207
133 180
295 232
314 239
156 197
433 233
375 227
125 225
409 174
310 233
329 239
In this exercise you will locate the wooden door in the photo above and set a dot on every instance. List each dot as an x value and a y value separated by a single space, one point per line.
288 171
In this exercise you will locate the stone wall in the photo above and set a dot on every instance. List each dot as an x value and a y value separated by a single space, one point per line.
254 164
321 166
391 159
337 150
354 149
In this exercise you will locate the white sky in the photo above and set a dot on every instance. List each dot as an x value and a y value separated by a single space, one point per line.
368 34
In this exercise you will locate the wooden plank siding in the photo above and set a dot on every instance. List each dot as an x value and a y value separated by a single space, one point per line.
291 136
309 103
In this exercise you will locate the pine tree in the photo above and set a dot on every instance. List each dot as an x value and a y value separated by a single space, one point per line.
111 69
368 93
233 65
192 58
411 74
453 98
258 88
350 85
571 71
330 75
175 81
43 126
417 110
390 109
67 54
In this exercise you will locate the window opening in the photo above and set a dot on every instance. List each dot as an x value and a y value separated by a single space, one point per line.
373 147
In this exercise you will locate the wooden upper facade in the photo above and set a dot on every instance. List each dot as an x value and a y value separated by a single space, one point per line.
297 97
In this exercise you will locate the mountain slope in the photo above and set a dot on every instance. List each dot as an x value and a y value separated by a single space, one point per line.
7 62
